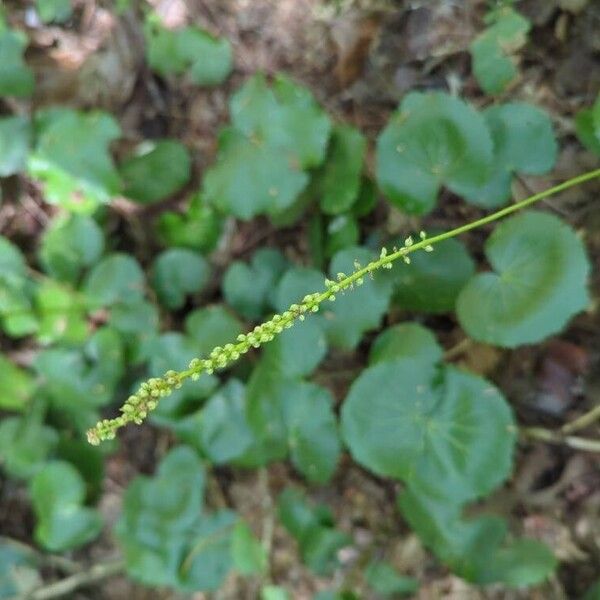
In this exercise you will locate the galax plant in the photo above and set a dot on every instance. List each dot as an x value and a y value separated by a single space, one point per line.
103 328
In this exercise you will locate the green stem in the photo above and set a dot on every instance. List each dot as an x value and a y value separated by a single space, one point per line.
138 405
557 437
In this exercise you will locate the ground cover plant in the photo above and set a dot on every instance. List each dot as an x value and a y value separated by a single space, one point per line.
310 303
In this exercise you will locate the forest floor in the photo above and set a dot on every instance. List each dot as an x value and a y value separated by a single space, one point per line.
358 58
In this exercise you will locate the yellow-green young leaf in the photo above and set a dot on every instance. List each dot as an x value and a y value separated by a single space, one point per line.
493 51
156 171
177 273
434 139
451 435
16 78
15 137
432 281
117 278
277 133
539 282
198 228
61 314
210 327
587 126
249 556
341 177
57 494
16 385
71 158
16 309
274 592
406 340
70 244
524 142
248 288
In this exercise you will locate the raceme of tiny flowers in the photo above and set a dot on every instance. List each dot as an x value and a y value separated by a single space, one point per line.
146 399
137 406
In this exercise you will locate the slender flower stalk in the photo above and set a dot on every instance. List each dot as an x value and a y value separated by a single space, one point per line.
138 405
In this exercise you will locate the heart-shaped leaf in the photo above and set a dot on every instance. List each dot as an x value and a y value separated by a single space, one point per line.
277 133
539 283
170 158
212 326
117 278
249 288
198 228
432 281
70 244
493 50
524 142
341 177
57 494
177 273
434 139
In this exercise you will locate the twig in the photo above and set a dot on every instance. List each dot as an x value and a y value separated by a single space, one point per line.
66 586
557 437
582 422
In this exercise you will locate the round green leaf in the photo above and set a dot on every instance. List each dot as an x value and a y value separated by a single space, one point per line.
116 278
177 273
450 436
356 311
71 157
406 340
54 11
539 283
224 429
15 136
25 443
341 178
432 281
251 177
57 493
312 433
210 327
342 231
70 244
16 78
433 139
